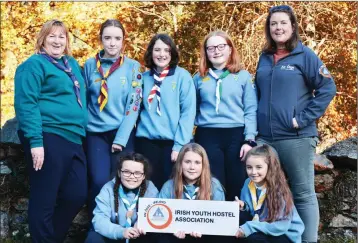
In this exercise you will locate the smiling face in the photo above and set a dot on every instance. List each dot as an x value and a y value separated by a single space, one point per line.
218 51
55 42
112 41
281 28
256 169
192 166
136 176
161 55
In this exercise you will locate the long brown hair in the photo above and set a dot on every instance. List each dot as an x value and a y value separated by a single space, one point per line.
270 45
47 29
234 63
143 186
204 181
278 194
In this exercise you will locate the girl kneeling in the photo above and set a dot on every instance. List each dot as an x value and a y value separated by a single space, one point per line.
268 199
115 214
192 180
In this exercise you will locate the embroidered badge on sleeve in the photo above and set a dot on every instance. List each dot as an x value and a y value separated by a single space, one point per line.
324 72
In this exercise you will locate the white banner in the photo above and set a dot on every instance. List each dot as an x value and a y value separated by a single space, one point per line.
173 215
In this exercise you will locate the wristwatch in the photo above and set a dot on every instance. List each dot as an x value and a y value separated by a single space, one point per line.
251 143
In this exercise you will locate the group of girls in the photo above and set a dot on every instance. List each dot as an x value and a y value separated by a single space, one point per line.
170 102
153 113
267 210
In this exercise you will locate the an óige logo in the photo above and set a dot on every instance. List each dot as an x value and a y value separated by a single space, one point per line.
159 216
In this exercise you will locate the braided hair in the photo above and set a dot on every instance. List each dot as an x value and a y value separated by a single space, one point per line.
143 186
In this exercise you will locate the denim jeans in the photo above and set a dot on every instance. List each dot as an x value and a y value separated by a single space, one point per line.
296 157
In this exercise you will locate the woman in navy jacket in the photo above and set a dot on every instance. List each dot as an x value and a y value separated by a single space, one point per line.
294 89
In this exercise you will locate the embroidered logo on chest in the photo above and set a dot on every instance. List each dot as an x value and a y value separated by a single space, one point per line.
288 67
207 78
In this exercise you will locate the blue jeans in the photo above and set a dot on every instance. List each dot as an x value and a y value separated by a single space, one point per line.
296 157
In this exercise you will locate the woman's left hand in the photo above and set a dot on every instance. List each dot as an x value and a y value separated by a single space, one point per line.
174 156
116 148
243 151
240 233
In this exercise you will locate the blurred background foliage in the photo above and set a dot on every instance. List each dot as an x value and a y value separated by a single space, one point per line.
329 28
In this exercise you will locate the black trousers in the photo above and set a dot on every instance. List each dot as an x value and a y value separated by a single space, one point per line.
223 148
57 191
159 154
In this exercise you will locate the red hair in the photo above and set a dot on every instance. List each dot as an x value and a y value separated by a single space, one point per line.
204 181
234 63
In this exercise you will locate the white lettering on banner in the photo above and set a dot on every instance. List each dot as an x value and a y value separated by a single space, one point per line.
173 215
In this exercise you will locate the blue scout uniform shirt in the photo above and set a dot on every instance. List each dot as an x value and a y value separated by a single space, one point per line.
104 220
217 192
124 97
238 103
292 226
177 107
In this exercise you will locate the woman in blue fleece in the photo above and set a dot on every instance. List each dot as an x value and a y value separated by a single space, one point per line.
114 95
115 214
267 198
168 112
294 89
226 110
192 180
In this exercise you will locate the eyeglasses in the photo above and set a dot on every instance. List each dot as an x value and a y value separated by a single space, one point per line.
280 8
220 47
136 174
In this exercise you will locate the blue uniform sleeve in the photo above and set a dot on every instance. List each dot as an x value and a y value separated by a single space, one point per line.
275 228
27 92
102 217
196 80
250 109
217 190
322 84
187 102
87 77
152 191
167 190
134 100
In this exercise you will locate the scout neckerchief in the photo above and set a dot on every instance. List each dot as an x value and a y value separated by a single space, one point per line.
156 88
257 202
103 94
129 207
67 69
218 91
187 194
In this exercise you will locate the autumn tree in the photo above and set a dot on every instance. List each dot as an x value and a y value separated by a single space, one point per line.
329 28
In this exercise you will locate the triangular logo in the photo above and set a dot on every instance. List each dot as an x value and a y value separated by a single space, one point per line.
158 213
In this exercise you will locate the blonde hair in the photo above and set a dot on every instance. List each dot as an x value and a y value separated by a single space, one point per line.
233 64
46 29
204 181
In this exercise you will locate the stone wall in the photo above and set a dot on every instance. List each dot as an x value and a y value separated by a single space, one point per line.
335 181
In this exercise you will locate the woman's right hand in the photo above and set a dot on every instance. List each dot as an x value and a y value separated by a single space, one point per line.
180 234
241 203
130 233
38 156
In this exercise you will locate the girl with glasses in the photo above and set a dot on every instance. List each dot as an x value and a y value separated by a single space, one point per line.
115 215
294 89
226 110
191 180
